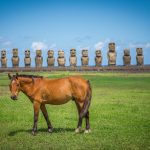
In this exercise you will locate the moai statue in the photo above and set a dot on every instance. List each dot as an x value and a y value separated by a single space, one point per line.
98 58
38 58
139 56
126 57
3 59
85 58
50 58
61 58
15 58
111 55
73 58
27 59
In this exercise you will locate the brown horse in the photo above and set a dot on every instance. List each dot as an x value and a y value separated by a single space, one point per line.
43 91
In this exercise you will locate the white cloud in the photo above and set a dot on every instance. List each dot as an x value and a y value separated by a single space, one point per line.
133 45
5 42
142 45
99 45
39 45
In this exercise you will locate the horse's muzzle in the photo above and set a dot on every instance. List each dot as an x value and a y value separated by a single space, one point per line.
14 97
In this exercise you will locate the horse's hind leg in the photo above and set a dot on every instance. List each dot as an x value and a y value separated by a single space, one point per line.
45 114
79 107
87 130
81 111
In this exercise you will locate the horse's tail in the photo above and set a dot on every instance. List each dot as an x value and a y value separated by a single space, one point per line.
87 101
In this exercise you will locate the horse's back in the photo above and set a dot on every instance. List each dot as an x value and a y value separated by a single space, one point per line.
77 81
66 84
59 91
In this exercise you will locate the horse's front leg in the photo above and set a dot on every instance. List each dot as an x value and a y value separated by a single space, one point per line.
45 114
36 106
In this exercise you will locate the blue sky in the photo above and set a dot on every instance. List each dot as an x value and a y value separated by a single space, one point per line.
66 24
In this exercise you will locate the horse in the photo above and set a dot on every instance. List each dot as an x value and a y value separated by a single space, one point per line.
41 91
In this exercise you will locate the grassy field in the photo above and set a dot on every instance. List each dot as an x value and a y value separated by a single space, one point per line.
119 116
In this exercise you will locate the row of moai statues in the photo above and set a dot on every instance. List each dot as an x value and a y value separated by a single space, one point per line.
73 58
139 57
15 58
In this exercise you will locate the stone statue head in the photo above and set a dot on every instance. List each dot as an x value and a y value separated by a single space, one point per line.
85 53
73 52
98 53
50 53
38 53
15 52
139 51
27 53
3 53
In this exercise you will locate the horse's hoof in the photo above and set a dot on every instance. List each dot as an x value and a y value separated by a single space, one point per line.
33 133
50 130
78 130
87 131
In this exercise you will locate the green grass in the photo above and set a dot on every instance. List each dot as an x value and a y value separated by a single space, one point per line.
119 116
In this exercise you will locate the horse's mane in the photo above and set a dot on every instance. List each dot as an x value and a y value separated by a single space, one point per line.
28 76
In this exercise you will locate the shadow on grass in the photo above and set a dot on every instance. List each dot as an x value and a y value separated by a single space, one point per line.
55 130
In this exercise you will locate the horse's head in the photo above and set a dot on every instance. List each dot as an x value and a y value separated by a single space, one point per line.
14 86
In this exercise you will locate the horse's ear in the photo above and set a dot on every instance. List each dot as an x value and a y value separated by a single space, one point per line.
17 75
9 76
32 79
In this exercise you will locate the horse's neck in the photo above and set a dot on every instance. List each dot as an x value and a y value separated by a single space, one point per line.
26 85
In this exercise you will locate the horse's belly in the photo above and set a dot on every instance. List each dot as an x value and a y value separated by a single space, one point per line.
57 100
